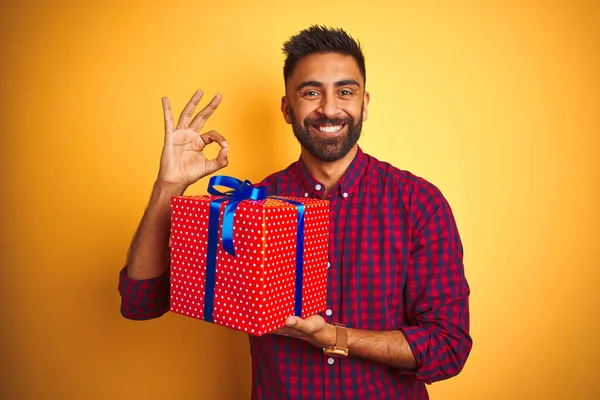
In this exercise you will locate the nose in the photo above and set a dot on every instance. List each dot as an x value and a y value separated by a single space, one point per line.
329 106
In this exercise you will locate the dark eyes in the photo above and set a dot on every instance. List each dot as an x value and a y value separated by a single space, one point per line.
314 93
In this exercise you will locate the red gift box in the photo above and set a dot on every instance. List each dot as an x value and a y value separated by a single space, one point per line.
279 267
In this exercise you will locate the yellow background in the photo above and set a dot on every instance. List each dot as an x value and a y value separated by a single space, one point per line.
497 103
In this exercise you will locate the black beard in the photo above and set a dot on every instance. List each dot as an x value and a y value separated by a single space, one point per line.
323 148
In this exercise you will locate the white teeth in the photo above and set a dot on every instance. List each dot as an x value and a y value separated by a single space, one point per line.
330 128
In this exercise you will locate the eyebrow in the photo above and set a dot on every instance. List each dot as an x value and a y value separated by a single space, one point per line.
345 82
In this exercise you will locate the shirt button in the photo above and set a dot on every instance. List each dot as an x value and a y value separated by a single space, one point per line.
318 187
330 361
329 312
328 265
306 194
345 195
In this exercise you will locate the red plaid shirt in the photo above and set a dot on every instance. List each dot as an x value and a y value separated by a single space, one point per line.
395 263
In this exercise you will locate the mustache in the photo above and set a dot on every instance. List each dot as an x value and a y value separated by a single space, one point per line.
327 121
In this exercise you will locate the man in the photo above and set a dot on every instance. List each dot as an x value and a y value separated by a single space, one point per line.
396 280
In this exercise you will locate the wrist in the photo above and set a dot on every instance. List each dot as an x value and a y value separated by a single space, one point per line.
162 194
163 189
329 338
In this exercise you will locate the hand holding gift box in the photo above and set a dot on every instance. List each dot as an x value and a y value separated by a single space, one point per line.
247 261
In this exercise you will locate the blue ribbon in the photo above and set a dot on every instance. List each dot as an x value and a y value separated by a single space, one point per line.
241 191
299 255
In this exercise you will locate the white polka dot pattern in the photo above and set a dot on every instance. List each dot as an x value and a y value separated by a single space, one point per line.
254 292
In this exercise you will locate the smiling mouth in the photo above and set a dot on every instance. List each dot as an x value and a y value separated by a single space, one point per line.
328 128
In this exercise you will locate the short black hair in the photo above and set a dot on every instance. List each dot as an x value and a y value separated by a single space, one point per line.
321 39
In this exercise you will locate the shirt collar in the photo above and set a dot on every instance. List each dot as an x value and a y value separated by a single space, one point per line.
346 186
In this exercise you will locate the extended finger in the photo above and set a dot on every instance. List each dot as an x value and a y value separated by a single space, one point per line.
205 113
300 325
186 114
168 115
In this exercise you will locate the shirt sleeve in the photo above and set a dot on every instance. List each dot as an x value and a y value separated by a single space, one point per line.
438 292
143 299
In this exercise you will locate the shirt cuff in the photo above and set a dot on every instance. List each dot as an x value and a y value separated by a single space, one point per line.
415 335
145 298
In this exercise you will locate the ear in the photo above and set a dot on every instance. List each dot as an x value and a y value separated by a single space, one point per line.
366 99
285 109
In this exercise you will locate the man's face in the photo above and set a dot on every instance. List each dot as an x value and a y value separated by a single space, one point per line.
326 104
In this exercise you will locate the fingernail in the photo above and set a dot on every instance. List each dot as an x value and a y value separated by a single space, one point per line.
224 144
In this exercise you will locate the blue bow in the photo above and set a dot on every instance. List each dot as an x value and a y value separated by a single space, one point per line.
240 191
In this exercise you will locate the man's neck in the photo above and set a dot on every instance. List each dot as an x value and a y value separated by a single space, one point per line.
328 173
